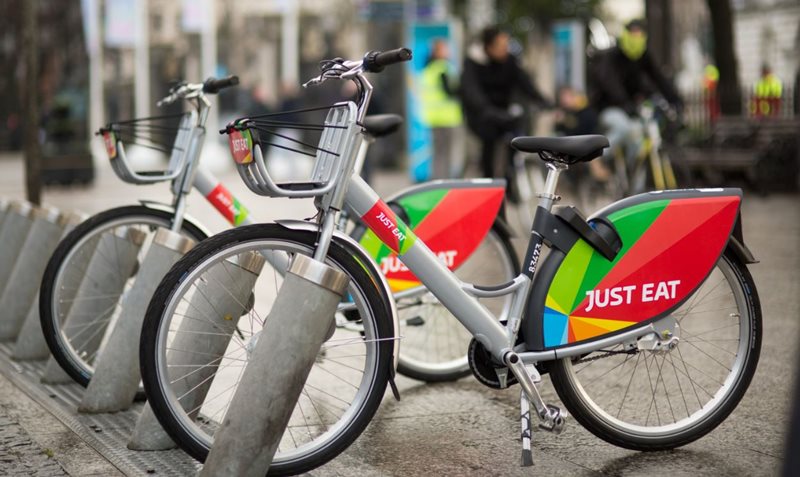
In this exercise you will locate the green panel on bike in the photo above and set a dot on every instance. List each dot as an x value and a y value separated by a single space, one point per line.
670 243
451 217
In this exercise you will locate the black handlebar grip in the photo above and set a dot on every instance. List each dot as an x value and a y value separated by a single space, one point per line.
213 85
375 61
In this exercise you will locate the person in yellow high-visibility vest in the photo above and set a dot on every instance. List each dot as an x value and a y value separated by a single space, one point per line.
441 109
767 94
710 82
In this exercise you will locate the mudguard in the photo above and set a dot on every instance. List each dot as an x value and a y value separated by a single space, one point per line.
371 267
452 217
671 241
150 204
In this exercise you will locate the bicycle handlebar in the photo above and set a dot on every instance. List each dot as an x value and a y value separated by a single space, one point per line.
213 85
185 90
375 61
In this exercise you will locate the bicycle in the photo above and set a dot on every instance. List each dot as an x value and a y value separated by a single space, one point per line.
652 165
76 339
611 298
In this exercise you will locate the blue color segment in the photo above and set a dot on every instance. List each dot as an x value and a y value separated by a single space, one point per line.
555 327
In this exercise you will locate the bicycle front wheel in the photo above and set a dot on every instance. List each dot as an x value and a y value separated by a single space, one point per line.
657 400
76 339
203 323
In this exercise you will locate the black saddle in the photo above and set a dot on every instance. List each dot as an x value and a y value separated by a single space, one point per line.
378 125
569 150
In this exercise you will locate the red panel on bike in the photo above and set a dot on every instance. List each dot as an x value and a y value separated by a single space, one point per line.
451 217
670 243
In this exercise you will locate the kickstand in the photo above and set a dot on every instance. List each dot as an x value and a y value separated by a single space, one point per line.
525 421
393 386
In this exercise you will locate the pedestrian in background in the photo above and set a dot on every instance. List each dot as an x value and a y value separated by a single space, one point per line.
441 110
767 94
491 77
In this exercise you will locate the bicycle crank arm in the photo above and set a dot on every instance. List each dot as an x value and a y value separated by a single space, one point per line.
552 418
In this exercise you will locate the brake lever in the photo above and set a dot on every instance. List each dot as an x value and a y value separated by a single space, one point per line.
163 101
314 81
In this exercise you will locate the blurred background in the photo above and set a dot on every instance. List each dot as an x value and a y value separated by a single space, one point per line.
103 60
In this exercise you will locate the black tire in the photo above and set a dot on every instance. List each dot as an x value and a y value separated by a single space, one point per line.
73 365
340 254
700 423
498 232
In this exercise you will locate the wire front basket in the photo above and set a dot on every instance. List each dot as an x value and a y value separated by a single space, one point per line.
154 133
248 139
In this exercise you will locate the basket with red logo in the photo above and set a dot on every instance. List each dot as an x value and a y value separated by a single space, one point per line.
263 148
169 135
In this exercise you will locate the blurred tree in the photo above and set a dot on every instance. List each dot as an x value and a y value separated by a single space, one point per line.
658 14
730 99
10 65
30 42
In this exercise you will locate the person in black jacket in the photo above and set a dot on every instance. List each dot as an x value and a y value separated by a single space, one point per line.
619 79
491 75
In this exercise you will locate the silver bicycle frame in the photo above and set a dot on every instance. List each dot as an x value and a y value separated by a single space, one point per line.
459 297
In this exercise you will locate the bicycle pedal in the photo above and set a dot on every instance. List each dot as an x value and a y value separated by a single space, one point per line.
555 421
415 321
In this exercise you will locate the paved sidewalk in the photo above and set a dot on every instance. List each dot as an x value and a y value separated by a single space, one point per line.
20 455
34 442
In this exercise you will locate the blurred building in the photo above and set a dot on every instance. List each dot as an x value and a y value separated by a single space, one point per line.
266 43
767 31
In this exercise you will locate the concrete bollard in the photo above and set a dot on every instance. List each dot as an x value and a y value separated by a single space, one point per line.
30 342
116 374
263 403
4 203
97 296
196 340
45 231
15 229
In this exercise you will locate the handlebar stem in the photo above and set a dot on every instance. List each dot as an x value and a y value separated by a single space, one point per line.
365 96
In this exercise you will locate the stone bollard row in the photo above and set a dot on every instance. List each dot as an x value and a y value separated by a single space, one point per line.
293 335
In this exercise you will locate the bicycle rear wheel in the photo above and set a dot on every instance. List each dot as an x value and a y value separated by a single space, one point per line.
76 343
657 400
190 398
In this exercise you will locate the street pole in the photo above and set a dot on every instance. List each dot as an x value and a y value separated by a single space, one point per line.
141 57
208 63
33 166
96 102
290 57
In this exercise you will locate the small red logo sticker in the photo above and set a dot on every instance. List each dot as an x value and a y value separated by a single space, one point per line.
111 144
240 143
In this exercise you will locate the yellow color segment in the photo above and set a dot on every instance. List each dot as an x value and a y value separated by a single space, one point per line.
586 328
399 285
553 305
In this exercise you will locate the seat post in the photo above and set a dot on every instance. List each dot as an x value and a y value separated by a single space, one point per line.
548 196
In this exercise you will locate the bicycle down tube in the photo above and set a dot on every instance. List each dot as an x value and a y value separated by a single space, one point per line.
438 279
